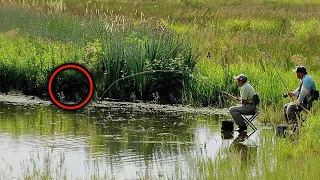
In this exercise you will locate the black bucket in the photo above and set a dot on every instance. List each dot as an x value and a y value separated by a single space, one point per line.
226 134
281 130
227 125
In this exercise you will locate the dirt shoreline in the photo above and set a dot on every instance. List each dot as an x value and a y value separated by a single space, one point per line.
20 99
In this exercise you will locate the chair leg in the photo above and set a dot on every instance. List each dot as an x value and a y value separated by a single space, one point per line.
249 122
250 135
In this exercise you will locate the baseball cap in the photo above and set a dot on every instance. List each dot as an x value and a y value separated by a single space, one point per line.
241 77
300 69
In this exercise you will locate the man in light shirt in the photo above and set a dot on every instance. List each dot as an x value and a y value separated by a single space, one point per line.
247 107
302 92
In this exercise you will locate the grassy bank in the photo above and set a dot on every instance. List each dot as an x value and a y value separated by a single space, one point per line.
230 38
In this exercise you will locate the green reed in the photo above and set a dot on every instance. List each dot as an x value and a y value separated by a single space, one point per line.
109 50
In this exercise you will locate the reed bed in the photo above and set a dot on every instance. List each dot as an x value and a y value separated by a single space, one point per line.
109 49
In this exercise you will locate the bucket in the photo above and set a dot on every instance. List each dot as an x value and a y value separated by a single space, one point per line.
281 130
227 125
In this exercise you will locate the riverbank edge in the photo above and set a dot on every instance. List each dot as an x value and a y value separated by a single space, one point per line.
20 99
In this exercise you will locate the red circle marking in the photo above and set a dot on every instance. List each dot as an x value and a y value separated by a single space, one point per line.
70 66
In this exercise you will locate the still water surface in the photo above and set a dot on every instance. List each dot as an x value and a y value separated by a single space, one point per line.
104 144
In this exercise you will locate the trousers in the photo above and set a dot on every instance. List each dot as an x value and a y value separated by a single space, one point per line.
290 112
245 109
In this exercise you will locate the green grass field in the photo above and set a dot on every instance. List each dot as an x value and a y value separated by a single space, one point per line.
235 34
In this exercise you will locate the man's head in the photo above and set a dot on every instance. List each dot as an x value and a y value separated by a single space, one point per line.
241 79
301 71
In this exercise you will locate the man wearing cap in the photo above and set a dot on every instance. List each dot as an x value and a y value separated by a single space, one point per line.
306 86
247 106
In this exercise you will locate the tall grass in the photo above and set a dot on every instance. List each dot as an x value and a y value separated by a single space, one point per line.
109 50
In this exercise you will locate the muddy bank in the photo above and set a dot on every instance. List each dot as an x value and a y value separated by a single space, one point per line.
156 108
20 99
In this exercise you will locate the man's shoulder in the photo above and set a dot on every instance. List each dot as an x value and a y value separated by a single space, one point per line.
248 87
308 78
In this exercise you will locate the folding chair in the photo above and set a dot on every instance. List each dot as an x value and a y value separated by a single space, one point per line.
248 121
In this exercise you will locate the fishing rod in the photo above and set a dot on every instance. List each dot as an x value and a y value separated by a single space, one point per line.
267 55
172 71
230 96
4 84
222 92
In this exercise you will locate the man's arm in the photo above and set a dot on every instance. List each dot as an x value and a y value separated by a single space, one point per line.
243 95
294 93
233 97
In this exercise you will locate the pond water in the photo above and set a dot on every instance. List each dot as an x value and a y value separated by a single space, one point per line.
99 143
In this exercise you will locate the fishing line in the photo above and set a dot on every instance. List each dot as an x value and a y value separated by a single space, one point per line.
267 55
166 71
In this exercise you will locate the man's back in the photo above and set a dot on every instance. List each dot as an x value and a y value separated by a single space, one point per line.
307 86
247 92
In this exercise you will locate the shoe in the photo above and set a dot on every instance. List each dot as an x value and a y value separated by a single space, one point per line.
294 127
241 128
242 133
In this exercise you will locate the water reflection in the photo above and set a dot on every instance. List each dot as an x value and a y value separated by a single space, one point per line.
246 151
105 143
